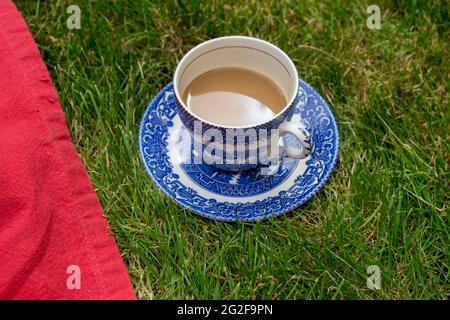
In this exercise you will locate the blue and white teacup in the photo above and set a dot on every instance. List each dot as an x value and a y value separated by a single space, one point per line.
237 148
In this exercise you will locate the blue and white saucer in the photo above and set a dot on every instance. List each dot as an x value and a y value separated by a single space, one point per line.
230 196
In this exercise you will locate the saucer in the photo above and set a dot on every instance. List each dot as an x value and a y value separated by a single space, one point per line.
167 155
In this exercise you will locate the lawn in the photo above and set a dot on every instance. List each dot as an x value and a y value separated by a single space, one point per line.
386 202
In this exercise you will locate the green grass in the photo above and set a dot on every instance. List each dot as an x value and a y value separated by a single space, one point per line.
386 202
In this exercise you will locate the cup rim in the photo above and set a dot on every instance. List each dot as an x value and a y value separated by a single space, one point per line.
192 51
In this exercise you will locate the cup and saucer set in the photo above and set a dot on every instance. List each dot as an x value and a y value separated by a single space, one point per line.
220 171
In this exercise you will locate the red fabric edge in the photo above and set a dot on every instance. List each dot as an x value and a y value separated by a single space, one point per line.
109 267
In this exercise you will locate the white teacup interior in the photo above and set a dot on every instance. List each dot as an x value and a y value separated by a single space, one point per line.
240 52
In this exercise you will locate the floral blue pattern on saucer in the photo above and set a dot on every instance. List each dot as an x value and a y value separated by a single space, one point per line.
231 196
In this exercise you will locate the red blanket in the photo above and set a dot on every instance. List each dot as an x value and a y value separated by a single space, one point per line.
54 240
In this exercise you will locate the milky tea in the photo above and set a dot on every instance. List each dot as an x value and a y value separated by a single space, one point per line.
234 97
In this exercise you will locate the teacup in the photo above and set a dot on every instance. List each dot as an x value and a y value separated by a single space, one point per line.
237 148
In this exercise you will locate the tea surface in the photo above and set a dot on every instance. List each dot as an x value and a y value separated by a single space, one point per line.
234 97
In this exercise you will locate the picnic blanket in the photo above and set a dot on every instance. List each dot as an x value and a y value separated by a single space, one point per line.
54 240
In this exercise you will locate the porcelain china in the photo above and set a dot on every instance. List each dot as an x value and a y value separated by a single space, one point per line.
251 54
168 157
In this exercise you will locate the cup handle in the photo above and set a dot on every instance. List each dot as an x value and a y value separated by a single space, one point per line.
300 134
